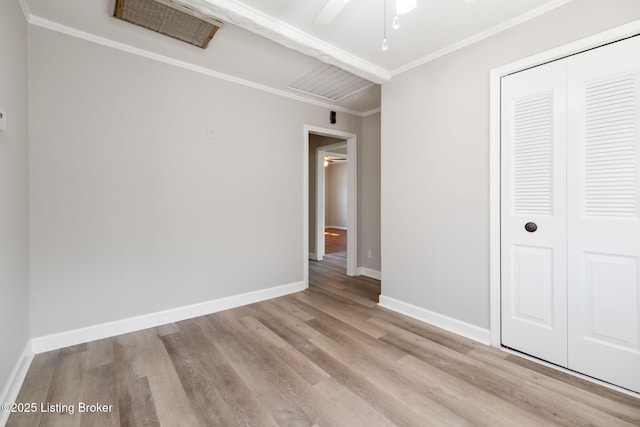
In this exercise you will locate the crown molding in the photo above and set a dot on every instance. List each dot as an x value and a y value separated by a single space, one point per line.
371 112
73 32
253 20
547 7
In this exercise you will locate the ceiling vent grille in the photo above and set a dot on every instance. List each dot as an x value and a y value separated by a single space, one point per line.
169 18
330 82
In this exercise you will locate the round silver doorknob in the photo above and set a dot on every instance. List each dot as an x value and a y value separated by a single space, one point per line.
530 227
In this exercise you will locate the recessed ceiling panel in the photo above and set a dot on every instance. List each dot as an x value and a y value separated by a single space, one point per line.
330 82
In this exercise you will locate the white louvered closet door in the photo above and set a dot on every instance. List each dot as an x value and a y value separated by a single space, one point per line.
603 209
534 288
571 165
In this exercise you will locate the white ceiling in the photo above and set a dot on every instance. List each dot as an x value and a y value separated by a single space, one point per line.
273 43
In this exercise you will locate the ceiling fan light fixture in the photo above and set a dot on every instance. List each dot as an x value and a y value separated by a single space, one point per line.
404 6
385 43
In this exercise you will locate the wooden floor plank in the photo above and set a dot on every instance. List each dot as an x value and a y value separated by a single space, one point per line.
99 387
557 409
292 357
35 389
100 353
206 402
474 404
328 356
407 403
135 404
460 344
244 407
282 390
345 316
172 404
99 390
606 395
556 383
65 389
344 404
267 311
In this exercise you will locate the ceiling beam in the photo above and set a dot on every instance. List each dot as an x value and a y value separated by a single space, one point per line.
241 15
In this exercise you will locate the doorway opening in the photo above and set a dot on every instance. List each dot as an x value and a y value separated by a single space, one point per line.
321 143
332 196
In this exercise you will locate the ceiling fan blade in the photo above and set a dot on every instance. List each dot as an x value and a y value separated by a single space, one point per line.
330 11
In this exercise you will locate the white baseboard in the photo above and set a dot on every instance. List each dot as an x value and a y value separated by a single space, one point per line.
441 321
369 272
337 227
313 257
124 326
15 380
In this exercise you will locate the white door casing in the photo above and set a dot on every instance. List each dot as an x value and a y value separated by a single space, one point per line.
352 197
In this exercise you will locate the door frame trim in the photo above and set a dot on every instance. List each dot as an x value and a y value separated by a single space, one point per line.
495 76
352 197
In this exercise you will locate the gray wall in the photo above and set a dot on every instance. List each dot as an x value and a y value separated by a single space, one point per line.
14 208
435 161
134 208
336 195
369 194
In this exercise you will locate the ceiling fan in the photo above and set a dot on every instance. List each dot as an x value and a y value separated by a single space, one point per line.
328 160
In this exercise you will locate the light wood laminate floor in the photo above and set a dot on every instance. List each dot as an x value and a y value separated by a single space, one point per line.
327 356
